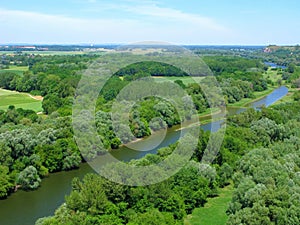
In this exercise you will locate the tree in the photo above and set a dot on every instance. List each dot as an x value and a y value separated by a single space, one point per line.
51 103
29 178
51 156
291 68
225 173
72 161
296 96
152 217
5 184
6 79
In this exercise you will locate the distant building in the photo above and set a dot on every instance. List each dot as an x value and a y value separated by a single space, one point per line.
267 50
26 47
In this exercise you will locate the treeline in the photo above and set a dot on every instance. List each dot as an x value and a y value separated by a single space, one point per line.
56 78
152 68
18 60
221 65
53 77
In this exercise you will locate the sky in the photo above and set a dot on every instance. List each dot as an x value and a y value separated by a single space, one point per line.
209 22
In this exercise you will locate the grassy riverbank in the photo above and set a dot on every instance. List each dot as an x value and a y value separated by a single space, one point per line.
214 211
288 98
257 96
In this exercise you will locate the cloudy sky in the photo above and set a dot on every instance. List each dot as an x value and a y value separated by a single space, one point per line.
209 22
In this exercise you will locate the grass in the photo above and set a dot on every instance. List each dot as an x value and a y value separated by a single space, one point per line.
186 80
15 69
288 98
214 211
210 111
19 100
272 75
257 95
18 68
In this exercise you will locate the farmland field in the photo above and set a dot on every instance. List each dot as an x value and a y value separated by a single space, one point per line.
19 100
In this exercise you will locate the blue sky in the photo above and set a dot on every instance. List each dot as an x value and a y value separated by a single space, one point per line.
209 22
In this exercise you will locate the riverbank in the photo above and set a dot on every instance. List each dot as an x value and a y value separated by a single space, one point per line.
246 103
288 98
258 96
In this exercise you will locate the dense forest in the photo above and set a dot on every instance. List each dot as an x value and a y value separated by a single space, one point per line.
259 153
261 147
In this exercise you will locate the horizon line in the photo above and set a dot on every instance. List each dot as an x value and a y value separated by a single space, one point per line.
117 44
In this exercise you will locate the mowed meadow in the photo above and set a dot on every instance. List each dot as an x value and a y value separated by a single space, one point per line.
19 100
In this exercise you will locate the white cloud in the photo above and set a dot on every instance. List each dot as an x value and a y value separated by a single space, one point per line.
178 27
154 10
21 26
150 11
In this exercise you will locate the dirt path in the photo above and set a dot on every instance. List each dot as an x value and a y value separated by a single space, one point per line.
39 98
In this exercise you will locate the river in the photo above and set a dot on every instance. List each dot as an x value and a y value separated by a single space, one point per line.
24 208
274 65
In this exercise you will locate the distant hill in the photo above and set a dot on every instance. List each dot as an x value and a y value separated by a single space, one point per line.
275 48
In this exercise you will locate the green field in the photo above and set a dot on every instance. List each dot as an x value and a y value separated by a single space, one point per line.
185 80
214 211
15 69
273 75
19 100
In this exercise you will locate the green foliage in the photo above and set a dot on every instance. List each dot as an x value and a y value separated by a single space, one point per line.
51 103
6 184
296 96
54 77
214 211
152 217
19 100
33 149
97 199
6 78
227 64
151 68
29 178
264 179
